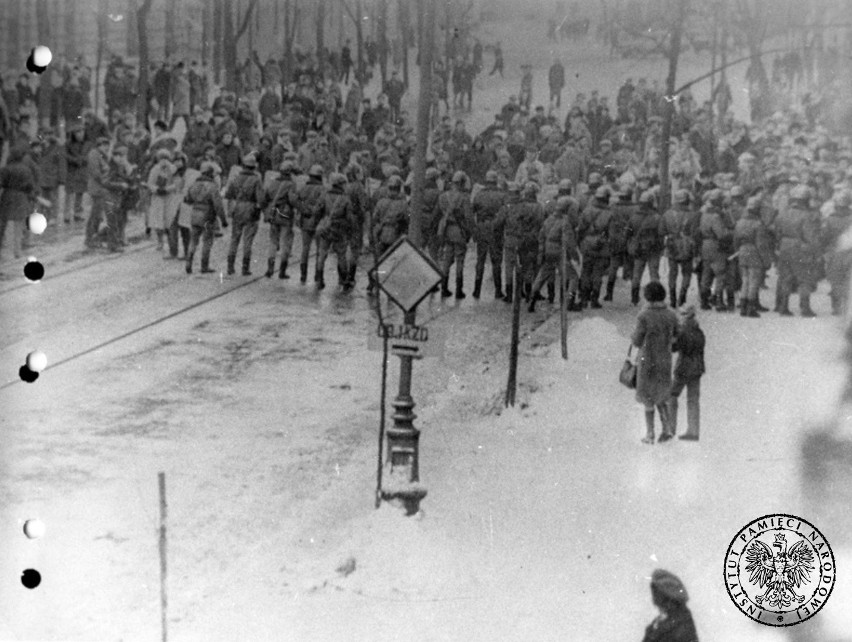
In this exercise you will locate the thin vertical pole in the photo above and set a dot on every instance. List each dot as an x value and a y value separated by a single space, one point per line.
513 346
161 479
563 300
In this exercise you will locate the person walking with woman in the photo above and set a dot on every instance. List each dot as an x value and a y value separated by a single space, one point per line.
17 195
687 373
656 331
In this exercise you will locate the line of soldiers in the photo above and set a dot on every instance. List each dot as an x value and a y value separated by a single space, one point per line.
726 239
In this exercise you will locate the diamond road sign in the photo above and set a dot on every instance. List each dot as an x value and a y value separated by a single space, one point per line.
406 274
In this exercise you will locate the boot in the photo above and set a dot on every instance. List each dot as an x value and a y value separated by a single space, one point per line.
672 298
531 306
498 286
551 292
681 298
189 264
246 266
573 304
303 269
634 295
459 286
593 299
231 261
784 305
805 306
758 306
649 427
752 309
282 271
445 290
705 301
507 297
610 285
672 415
719 302
745 305
477 287
318 279
205 266
732 300
666 433
270 268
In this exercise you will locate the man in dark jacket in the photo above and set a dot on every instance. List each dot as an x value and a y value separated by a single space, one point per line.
389 220
680 230
622 211
245 193
97 161
749 236
335 228
486 204
556 78
716 242
279 209
431 215
309 208
644 242
674 624
593 233
557 233
457 221
206 203
838 257
688 370
798 229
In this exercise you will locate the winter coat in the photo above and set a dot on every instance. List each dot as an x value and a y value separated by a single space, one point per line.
643 234
675 626
681 234
593 231
180 95
204 197
339 212
161 182
390 219
76 180
486 205
749 234
310 205
245 192
98 167
555 227
622 212
17 189
689 346
656 330
716 243
53 167
456 210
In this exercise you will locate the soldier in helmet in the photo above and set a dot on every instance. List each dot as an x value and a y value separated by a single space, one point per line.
680 230
521 223
203 196
505 226
716 238
555 232
749 237
486 204
798 229
390 220
360 210
644 242
431 215
622 210
593 232
838 255
245 194
457 224
334 230
309 207
279 207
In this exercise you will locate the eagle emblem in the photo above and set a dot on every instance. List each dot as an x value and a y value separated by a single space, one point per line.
781 571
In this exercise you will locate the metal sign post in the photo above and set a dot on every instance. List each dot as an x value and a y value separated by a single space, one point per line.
406 275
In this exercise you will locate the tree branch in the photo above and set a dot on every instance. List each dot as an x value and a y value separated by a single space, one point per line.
246 19
349 10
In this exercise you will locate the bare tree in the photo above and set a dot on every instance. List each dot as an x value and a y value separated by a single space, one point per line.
673 52
232 39
291 25
355 15
320 33
171 20
142 13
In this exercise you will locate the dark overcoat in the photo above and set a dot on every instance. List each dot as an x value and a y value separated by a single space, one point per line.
656 330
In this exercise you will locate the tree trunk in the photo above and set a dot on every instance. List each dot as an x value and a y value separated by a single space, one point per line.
132 30
43 34
291 25
70 31
229 49
404 29
205 32
171 19
142 36
383 39
103 25
668 116
218 19
424 105
13 29
320 33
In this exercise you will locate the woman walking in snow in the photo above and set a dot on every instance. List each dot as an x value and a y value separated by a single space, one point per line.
656 331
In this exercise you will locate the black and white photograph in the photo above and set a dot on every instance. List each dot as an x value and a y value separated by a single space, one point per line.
426 320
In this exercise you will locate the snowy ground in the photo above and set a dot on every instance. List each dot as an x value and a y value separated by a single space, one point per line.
542 522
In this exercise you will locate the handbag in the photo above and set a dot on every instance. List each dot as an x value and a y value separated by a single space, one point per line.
627 376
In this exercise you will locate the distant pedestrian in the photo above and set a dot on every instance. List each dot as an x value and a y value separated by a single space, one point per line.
674 623
498 60
687 374
656 330
556 79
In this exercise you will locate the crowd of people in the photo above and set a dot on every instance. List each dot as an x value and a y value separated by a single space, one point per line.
320 157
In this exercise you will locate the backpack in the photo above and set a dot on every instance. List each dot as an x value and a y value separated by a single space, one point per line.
162 183
648 236
280 215
682 245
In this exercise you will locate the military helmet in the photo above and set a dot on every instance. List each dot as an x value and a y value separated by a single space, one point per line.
753 204
395 183
714 197
647 197
315 171
249 160
565 185
208 168
513 186
625 190
737 191
595 179
286 167
432 173
800 192
491 176
564 203
459 178
682 197
602 193
531 188
337 178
